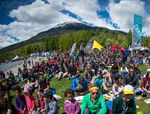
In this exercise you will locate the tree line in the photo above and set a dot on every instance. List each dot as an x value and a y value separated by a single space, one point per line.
63 42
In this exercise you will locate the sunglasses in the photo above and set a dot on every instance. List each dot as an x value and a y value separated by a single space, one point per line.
94 93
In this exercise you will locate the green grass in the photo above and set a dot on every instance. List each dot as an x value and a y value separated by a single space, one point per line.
143 68
143 106
61 85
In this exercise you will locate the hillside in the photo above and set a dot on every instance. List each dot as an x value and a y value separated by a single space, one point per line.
62 37
58 30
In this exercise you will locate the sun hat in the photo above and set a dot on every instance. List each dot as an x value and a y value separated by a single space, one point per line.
27 88
128 89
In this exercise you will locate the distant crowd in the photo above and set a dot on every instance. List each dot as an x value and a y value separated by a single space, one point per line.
104 82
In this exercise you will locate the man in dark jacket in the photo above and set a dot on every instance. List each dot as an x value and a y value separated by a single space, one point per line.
124 104
132 79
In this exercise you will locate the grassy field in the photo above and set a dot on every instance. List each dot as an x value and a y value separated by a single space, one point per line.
61 85
142 105
65 83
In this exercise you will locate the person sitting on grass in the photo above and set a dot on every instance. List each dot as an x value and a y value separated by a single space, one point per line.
124 70
79 86
6 106
32 80
3 87
44 85
51 104
71 69
145 86
124 104
93 102
98 79
132 79
20 101
30 100
71 105
41 103
117 86
2 75
88 72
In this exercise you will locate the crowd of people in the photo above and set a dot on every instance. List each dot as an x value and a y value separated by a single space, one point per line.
108 81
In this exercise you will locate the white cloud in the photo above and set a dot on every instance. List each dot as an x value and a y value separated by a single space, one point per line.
87 10
37 12
122 14
146 28
5 40
32 19
39 16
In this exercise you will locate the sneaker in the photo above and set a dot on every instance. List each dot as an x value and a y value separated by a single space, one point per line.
137 106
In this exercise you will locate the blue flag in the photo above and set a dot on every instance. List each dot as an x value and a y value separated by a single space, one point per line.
137 32
88 47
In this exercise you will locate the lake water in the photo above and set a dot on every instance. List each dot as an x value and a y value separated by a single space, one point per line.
7 65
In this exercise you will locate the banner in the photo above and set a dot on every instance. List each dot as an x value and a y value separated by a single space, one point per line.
73 49
88 47
137 32
96 45
81 46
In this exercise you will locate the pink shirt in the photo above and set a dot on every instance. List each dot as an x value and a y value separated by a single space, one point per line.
41 103
30 101
71 107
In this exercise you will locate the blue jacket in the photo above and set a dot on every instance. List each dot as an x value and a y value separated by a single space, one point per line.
98 82
75 82
20 102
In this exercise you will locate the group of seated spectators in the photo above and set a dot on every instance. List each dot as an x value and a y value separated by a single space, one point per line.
108 84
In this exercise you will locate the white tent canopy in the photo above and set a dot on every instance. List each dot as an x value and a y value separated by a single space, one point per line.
15 58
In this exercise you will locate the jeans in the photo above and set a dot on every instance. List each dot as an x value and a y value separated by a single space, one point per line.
87 111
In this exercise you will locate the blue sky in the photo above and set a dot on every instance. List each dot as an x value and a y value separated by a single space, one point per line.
22 19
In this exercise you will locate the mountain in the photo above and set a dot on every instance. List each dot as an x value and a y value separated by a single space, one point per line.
25 47
67 27
60 29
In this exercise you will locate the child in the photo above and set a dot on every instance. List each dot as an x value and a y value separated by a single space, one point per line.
117 86
20 102
51 104
41 103
71 105
30 101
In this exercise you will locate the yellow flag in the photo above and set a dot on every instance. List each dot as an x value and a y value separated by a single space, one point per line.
96 45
